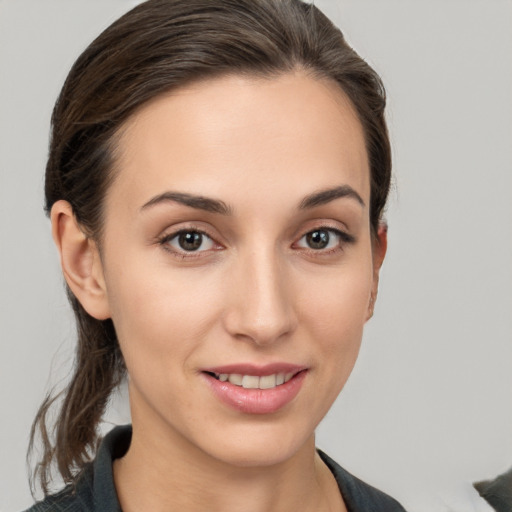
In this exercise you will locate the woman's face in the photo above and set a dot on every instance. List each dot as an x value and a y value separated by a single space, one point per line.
237 254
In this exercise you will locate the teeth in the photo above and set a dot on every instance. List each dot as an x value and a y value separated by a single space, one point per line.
235 379
267 382
255 382
250 382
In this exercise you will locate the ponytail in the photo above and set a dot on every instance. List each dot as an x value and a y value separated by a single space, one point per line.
98 370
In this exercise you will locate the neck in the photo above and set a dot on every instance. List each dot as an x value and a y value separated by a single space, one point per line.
163 472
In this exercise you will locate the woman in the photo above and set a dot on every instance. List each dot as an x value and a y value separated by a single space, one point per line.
216 181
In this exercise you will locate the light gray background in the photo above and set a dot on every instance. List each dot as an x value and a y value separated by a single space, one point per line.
429 406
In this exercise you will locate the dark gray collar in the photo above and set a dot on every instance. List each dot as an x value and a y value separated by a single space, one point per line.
96 492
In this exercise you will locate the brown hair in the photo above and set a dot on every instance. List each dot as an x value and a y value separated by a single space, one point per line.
157 46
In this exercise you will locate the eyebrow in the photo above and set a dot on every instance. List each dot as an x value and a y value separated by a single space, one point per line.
199 202
217 206
328 195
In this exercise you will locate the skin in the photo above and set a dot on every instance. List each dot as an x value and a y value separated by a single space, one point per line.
254 292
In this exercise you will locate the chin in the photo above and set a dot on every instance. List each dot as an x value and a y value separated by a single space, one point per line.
259 445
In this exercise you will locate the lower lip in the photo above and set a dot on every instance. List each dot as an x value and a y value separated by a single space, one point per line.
256 401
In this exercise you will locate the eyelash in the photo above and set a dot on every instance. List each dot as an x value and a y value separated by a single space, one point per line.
183 254
344 239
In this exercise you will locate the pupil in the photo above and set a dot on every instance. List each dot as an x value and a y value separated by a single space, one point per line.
190 241
318 239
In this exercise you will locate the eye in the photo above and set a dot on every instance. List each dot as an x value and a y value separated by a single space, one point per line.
321 239
189 241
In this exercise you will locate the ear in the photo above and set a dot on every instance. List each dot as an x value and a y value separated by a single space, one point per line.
80 261
379 248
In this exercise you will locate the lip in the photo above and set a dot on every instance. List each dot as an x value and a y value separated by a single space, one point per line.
255 401
256 370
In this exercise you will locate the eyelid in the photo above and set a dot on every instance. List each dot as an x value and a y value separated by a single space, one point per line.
164 239
344 239
177 236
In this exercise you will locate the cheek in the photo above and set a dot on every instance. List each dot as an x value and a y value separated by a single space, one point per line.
334 314
339 299
158 311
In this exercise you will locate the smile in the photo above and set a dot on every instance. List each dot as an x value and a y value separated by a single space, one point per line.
253 381
254 389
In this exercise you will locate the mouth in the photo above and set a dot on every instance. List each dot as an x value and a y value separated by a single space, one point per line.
254 381
256 390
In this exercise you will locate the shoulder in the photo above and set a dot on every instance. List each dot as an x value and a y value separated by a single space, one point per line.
358 495
95 489
70 499
497 492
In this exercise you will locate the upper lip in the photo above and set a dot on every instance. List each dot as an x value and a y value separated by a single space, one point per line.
254 369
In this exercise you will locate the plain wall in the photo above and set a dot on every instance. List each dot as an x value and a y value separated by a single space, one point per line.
428 408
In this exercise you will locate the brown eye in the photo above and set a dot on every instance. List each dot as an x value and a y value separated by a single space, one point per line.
324 238
190 241
318 239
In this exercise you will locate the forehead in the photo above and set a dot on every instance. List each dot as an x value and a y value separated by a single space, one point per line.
239 135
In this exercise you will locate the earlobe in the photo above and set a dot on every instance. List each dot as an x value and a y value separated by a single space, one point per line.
80 261
379 249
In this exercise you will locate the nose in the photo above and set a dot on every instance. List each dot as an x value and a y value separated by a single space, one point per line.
261 308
